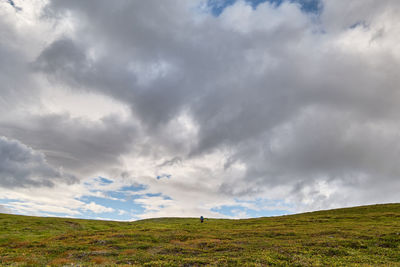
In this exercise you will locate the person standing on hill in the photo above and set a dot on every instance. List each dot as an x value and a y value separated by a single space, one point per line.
201 219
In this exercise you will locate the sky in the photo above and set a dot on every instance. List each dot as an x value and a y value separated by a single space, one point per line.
125 110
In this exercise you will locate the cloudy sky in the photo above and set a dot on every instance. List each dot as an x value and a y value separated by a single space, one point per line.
134 109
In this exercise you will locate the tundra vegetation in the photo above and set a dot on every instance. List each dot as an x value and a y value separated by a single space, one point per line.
360 236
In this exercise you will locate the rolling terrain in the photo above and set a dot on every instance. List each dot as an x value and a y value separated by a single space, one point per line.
360 236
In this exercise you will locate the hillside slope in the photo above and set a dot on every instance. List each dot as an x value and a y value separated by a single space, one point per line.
368 235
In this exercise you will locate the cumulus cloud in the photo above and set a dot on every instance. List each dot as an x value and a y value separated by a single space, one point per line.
262 101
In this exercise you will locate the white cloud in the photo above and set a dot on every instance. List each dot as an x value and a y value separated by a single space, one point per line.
96 208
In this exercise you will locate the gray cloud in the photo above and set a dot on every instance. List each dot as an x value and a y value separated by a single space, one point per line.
170 162
77 145
21 166
14 76
239 86
220 86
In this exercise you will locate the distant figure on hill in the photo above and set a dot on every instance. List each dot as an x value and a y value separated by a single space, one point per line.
201 219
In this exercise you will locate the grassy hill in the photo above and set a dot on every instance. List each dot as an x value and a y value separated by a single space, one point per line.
363 236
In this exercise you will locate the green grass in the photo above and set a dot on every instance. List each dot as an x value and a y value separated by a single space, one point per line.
361 236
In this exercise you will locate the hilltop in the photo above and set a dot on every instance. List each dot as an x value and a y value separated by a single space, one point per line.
367 235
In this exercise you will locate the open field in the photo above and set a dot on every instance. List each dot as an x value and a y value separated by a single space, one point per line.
363 236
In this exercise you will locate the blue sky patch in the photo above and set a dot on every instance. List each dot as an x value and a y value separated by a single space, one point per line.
362 24
6 200
308 6
105 181
133 188
163 176
265 208
243 212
